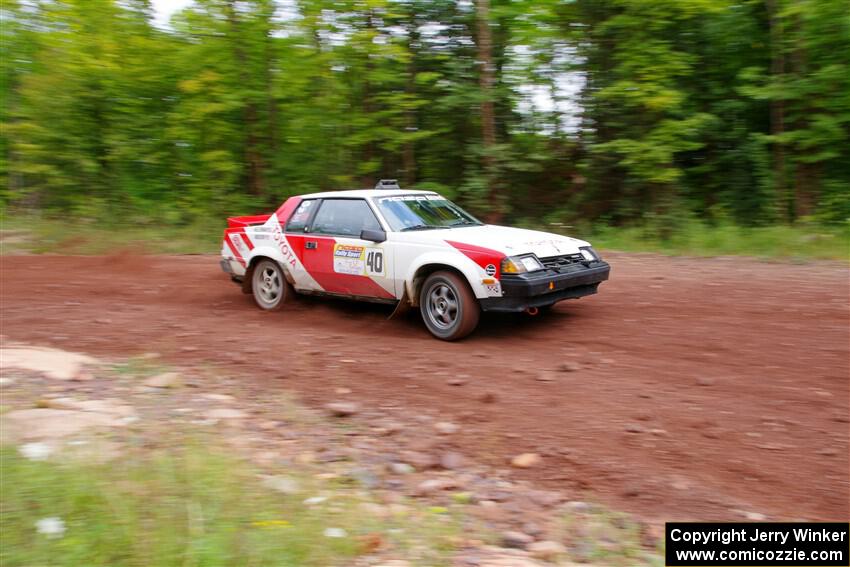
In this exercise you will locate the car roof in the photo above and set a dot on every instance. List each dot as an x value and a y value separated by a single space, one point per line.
365 193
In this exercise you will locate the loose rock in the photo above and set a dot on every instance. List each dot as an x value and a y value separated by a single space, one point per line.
365 478
282 484
433 485
35 451
51 527
226 413
220 397
374 509
422 461
43 423
516 540
342 409
164 380
451 460
53 363
578 506
400 468
445 427
525 460
546 550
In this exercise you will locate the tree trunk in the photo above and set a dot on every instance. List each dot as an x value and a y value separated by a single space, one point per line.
408 156
777 107
804 173
268 64
252 151
488 118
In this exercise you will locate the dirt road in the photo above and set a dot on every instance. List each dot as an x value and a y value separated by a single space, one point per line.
698 388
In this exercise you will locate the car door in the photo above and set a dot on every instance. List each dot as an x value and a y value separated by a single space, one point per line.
338 259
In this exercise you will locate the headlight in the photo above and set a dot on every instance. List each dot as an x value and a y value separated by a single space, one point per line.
589 254
520 264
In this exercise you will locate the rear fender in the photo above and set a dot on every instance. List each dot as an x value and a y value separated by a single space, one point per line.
262 253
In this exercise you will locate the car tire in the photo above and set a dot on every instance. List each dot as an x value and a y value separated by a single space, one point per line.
269 285
449 308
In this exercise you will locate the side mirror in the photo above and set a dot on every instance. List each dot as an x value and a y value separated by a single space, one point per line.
373 235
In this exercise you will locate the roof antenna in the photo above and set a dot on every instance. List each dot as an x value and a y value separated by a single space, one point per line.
387 184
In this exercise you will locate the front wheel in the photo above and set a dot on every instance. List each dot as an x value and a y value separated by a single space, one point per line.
448 307
269 285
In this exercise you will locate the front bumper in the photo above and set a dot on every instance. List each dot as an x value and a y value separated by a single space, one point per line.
543 288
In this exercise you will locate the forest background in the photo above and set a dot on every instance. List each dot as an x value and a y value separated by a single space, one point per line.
685 125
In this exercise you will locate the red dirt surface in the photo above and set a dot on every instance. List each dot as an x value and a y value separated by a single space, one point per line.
701 388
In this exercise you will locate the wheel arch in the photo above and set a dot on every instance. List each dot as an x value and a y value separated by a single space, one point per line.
247 281
421 274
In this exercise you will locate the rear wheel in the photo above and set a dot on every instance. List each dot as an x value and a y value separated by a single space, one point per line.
269 285
449 309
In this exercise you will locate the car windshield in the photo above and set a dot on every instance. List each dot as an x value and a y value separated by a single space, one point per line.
423 212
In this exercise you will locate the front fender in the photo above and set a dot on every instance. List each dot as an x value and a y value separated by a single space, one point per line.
453 259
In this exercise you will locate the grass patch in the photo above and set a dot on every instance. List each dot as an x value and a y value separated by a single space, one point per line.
698 239
183 505
40 236
599 535
803 242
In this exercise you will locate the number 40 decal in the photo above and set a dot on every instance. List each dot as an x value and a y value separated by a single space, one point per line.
375 262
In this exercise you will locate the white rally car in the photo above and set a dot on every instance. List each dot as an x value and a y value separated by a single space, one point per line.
410 248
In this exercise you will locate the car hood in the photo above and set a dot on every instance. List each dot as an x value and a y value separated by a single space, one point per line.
514 241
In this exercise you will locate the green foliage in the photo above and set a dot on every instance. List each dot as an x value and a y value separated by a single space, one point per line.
608 109
179 506
677 233
695 238
184 501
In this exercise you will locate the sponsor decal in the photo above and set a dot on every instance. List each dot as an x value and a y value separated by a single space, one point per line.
349 259
358 260
239 244
284 247
411 198
494 289
490 270
557 245
348 251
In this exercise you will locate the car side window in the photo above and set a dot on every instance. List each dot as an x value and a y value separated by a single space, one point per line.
298 220
344 217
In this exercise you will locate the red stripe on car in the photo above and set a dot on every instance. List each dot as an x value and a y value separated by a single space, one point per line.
286 209
227 233
482 256
319 263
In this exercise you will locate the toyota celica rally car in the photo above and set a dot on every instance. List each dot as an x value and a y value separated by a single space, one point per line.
409 248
